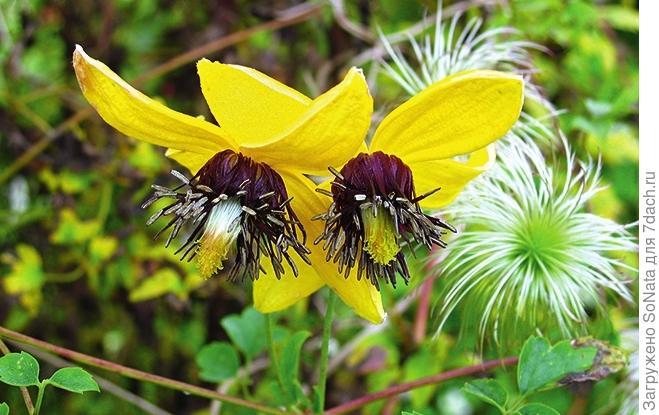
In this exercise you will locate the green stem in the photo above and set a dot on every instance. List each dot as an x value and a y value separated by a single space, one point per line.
42 390
274 360
64 277
245 381
104 203
136 374
516 405
324 351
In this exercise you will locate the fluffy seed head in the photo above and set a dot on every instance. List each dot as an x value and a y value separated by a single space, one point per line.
532 257
450 47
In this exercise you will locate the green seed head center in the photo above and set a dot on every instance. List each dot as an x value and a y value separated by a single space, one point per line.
541 237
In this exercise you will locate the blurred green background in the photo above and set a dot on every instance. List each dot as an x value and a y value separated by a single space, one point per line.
78 268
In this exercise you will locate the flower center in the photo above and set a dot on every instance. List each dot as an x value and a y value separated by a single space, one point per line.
380 235
375 212
239 210
221 232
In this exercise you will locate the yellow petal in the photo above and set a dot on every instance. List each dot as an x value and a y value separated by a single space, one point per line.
454 116
138 116
271 294
252 107
451 175
361 296
190 160
328 134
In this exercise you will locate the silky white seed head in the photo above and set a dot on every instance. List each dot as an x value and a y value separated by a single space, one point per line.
532 257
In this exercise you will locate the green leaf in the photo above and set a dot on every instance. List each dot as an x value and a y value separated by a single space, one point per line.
26 277
67 181
217 361
163 281
289 363
488 390
102 248
4 409
19 369
246 331
72 230
541 365
537 409
74 379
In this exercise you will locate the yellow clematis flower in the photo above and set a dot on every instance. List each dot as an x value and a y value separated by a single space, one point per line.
271 135
246 198
375 201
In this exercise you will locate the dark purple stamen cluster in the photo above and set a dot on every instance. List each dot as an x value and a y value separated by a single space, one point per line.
382 183
268 224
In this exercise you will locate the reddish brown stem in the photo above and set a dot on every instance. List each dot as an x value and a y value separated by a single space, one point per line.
404 387
421 318
134 373
422 311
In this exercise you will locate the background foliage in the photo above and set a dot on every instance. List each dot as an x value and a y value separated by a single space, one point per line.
79 269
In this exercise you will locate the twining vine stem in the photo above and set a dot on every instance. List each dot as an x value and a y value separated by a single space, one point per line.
429 380
134 373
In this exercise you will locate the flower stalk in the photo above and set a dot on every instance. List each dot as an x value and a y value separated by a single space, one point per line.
324 352
42 389
274 358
